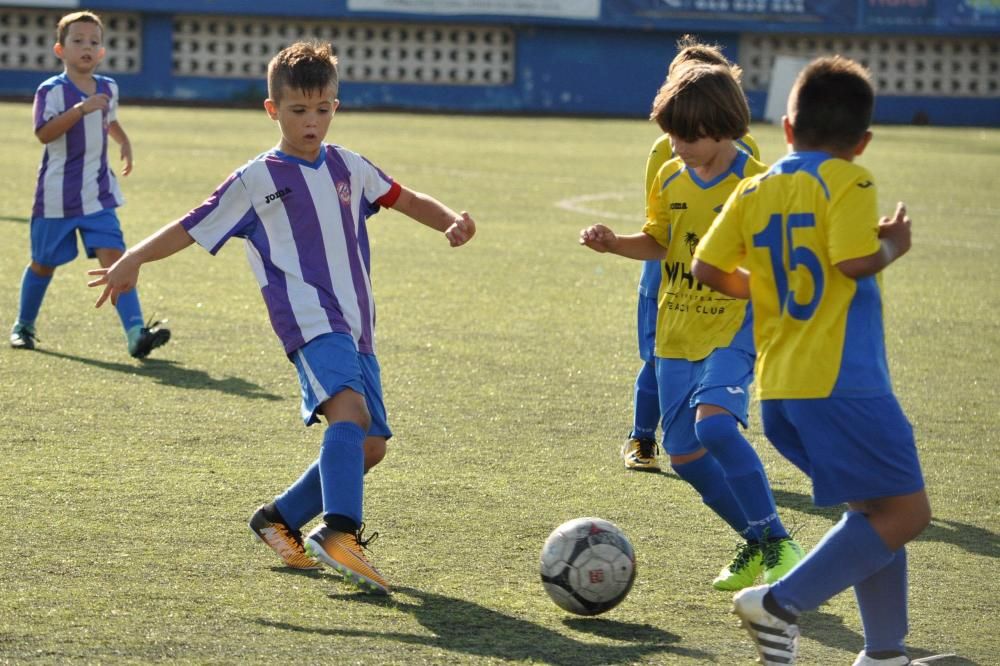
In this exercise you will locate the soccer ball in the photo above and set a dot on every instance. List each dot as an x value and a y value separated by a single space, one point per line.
588 566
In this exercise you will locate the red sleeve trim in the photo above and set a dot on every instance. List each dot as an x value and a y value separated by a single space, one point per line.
389 198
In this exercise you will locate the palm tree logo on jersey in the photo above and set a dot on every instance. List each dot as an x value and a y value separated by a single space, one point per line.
691 240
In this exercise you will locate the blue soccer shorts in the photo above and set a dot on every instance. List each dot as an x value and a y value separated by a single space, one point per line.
646 327
331 363
722 379
853 449
53 239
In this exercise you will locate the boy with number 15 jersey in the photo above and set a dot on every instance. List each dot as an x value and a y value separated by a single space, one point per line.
804 241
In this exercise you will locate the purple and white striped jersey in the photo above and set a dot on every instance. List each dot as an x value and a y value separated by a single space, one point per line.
74 178
306 238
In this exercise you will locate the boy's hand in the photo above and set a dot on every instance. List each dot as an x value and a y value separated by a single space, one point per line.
895 231
461 230
126 156
598 237
98 102
119 278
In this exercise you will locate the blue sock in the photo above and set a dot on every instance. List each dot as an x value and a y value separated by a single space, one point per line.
303 500
705 474
848 554
720 434
646 401
342 471
33 288
882 602
129 310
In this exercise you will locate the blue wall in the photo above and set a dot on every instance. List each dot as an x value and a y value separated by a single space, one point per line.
611 65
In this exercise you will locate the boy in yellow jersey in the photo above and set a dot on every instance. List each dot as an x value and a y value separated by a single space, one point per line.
805 243
640 451
704 349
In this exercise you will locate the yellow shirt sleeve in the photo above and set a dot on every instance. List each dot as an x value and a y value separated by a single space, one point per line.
723 245
658 208
854 219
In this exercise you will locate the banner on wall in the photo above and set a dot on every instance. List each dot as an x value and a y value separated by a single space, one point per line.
837 14
564 9
827 12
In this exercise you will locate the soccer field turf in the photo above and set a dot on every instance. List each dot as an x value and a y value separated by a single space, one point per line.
508 367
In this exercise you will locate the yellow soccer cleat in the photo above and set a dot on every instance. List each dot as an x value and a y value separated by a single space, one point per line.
343 551
640 454
282 539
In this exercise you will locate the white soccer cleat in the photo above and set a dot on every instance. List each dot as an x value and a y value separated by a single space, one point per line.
902 660
777 641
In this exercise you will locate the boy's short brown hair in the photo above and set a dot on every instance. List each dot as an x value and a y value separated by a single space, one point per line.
691 51
307 66
702 101
830 104
62 28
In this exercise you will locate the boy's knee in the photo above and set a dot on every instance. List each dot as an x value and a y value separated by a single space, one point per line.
42 270
375 449
716 430
348 405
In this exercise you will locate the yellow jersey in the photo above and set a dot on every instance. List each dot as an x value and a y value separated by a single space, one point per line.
818 332
693 320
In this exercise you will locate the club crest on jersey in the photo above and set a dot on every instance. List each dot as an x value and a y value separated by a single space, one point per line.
274 196
344 192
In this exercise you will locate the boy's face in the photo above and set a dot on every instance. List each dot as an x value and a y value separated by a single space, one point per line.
82 49
304 118
700 152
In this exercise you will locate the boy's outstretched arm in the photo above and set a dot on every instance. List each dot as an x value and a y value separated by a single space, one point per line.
425 209
123 275
735 284
894 233
601 238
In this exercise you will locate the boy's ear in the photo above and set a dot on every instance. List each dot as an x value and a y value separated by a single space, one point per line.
865 140
271 108
57 48
789 130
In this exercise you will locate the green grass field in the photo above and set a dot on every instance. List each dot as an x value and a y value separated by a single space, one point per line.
125 487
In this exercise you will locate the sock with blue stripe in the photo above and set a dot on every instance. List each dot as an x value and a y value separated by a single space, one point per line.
849 553
744 473
342 473
646 414
706 475
33 288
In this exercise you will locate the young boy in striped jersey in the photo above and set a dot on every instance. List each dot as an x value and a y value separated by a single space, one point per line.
302 210
75 113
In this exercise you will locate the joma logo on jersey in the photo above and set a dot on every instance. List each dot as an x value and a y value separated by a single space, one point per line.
274 196
678 205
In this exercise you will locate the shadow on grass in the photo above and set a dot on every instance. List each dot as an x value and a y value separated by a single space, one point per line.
171 373
969 538
461 626
11 218
830 631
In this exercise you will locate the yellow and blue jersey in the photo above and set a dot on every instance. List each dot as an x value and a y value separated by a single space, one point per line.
663 150
693 320
818 332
